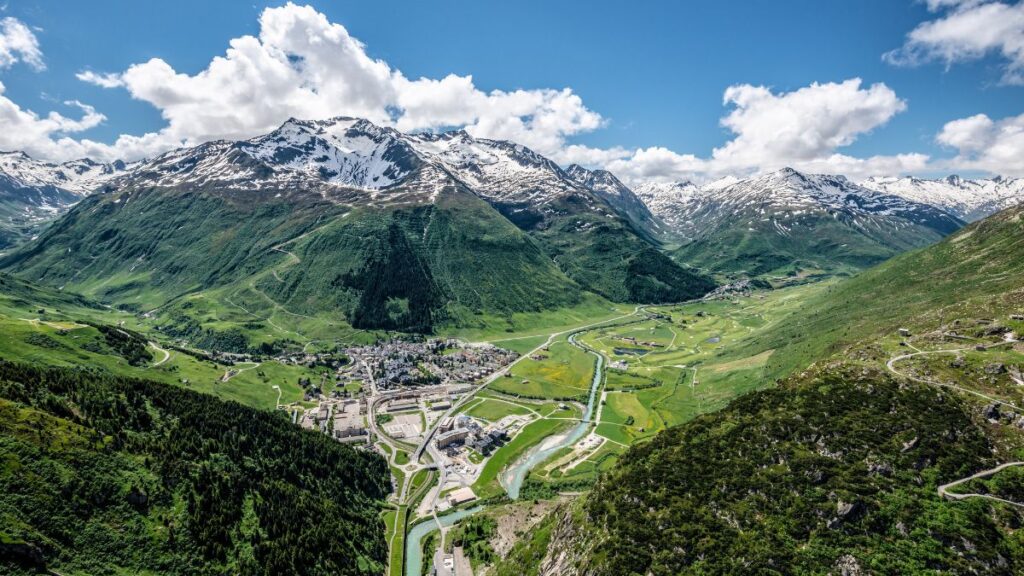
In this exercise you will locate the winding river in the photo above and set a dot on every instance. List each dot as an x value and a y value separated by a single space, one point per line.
414 539
512 478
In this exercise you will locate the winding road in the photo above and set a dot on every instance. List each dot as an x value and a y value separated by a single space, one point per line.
945 493
167 355
891 365
943 490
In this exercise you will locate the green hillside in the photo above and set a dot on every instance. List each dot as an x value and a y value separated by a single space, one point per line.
107 475
835 469
750 245
403 267
606 255
971 273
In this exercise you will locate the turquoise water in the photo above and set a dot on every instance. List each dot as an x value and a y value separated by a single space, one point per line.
512 478
414 540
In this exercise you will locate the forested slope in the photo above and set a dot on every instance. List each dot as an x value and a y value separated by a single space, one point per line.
106 475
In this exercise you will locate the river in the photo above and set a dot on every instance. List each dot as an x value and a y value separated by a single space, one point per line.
512 478
414 539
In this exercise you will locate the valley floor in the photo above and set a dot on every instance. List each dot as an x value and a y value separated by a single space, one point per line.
660 366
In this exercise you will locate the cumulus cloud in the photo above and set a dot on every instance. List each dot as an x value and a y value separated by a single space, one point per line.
802 129
302 65
969 30
773 130
994 146
46 136
19 44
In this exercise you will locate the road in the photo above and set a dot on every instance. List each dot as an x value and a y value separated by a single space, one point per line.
167 355
945 493
892 363
943 490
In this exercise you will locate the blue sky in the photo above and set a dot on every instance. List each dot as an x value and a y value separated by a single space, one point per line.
655 72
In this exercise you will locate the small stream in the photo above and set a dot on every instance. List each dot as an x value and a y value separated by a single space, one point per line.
512 478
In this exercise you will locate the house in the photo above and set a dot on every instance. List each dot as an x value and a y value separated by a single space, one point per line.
904 333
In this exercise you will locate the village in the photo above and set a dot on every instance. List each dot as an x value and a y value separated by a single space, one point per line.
406 386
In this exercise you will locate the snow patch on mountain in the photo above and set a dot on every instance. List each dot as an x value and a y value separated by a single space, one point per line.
783 197
968 199
79 177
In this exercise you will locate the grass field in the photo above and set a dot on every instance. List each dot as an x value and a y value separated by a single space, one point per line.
70 344
625 418
492 409
689 360
564 372
485 328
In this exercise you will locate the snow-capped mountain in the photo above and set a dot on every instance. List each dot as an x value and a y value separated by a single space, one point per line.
968 199
398 229
354 161
672 202
79 177
758 224
34 192
615 193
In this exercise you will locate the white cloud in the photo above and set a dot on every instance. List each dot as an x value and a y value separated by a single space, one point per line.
19 44
46 136
773 130
661 164
994 146
101 80
802 129
969 31
301 65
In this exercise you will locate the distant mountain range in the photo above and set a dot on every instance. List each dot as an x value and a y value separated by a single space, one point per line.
33 192
397 231
784 220
471 225
967 199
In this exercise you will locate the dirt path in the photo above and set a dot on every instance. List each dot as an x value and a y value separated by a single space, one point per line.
891 365
167 355
228 376
945 493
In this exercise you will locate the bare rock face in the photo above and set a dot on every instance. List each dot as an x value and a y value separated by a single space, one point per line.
995 368
567 550
847 565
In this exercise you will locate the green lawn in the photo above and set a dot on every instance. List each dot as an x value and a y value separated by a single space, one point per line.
625 419
521 345
486 328
492 410
69 344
